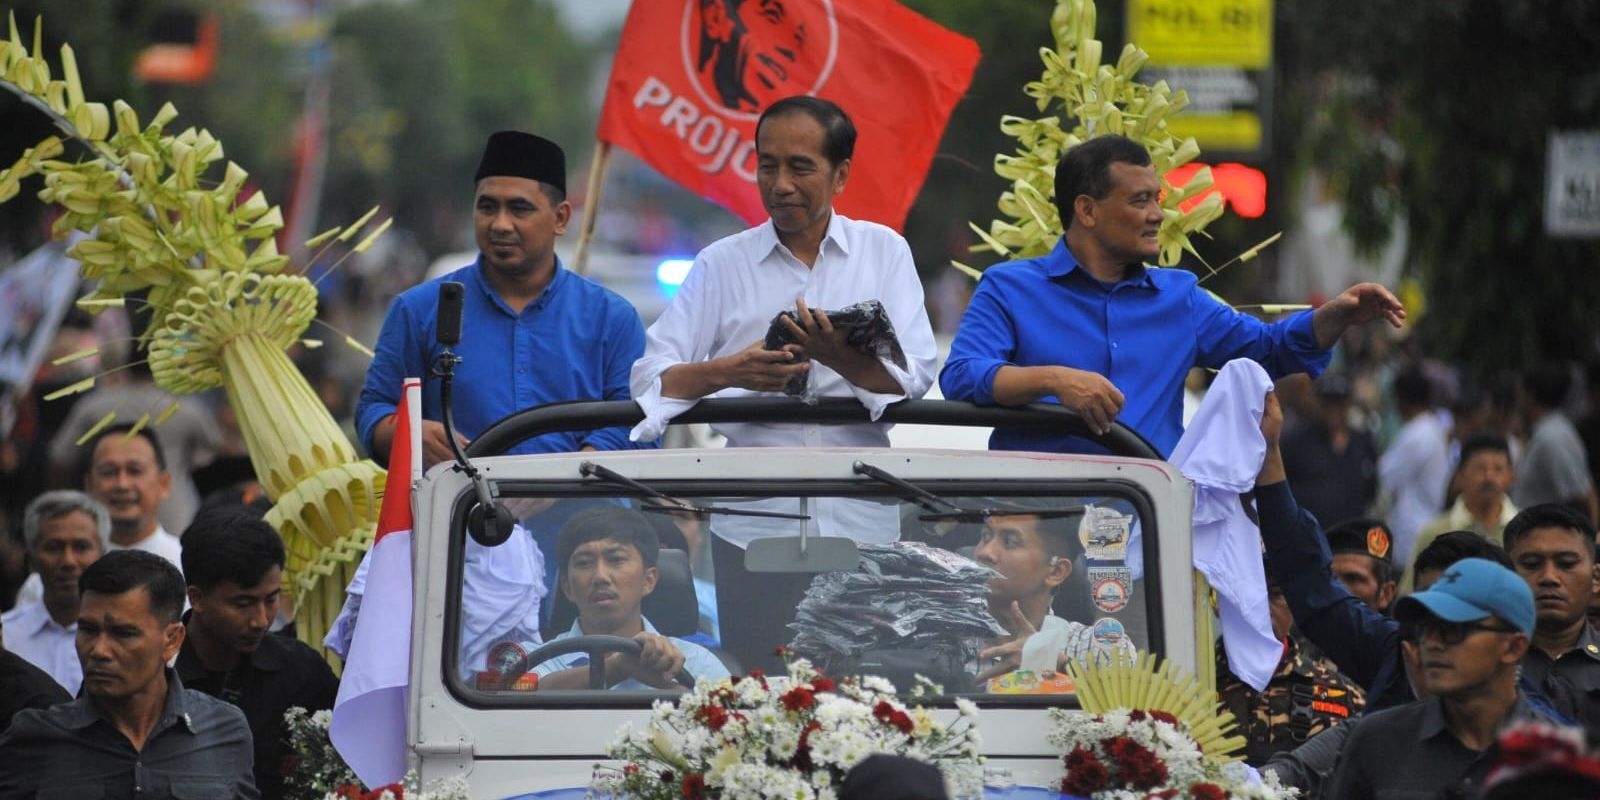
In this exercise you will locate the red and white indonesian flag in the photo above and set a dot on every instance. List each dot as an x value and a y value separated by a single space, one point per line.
369 717
691 77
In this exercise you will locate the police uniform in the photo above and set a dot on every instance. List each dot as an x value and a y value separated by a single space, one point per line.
1571 682
1306 696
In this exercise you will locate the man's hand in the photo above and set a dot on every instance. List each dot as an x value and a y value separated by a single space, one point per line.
435 446
1009 651
754 368
1272 470
1357 305
1089 394
818 340
657 664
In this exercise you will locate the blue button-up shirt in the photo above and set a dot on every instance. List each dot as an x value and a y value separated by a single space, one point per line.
576 341
1142 333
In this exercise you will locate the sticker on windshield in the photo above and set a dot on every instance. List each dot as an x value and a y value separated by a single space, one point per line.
1111 588
1104 534
1108 635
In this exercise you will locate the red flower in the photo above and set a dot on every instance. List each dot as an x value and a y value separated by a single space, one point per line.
394 789
287 765
713 716
823 685
694 786
1085 774
630 769
802 754
798 699
1142 770
1120 748
1136 716
1207 791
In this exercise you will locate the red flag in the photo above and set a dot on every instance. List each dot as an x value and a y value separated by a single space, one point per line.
691 77
369 716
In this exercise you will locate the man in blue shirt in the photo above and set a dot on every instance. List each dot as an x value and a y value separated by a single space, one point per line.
608 566
532 332
1091 327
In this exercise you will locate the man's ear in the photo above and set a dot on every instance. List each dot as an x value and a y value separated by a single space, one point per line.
1517 649
563 212
1386 593
841 175
172 638
651 575
1083 211
166 484
1060 570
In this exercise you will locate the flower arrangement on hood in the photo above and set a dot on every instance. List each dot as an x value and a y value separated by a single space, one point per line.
313 770
1147 755
1531 749
793 737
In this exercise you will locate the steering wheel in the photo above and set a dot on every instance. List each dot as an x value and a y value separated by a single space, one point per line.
594 646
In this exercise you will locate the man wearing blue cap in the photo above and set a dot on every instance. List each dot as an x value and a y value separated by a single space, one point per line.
1471 630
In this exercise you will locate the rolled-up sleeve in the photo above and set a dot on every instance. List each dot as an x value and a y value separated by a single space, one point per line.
903 301
1285 347
985 342
394 358
682 334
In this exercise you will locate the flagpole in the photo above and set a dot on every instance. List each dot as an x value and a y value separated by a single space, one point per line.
591 206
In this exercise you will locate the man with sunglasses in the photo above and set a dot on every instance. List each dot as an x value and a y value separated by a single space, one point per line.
1471 629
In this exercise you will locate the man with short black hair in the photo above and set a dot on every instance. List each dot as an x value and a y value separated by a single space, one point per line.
233 562
65 532
1472 629
1092 327
1361 550
134 731
1554 467
1552 547
1481 480
608 566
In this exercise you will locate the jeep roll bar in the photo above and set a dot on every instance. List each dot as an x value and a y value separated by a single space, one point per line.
586 415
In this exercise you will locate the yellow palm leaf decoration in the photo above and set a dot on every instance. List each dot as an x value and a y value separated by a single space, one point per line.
223 311
1147 683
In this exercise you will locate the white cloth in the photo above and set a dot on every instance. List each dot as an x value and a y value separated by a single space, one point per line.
1076 640
737 286
501 591
161 543
1414 473
1221 453
37 639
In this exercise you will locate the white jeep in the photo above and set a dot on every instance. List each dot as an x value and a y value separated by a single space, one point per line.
492 723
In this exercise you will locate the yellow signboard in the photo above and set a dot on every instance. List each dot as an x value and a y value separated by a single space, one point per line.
1236 131
1209 33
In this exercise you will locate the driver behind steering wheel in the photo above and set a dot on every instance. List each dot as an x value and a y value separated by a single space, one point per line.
608 565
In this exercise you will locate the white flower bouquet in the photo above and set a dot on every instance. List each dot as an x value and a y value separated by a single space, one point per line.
1147 755
792 737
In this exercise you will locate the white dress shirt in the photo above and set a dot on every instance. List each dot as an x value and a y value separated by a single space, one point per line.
738 284
1414 473
161 543
34 636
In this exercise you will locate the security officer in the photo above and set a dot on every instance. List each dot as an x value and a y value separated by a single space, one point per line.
1552 548
233 563
1306 695
1363 562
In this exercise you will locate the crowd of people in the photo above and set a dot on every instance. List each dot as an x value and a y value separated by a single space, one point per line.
1430 578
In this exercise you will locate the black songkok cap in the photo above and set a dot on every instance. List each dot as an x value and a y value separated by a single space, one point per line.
522 155
1365 536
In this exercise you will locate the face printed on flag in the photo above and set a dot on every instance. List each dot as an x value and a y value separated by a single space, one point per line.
692 76
749 53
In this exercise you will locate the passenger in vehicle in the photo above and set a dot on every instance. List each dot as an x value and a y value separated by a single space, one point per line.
608 566
1034 557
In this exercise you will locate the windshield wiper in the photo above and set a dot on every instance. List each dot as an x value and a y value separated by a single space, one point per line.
939 509
670 505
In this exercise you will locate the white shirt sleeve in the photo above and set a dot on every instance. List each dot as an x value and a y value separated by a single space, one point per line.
902 300
684 333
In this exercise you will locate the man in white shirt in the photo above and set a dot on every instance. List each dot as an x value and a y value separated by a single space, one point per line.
1415 471
128 476
709 341
65 531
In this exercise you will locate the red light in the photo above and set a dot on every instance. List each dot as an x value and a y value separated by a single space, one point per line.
1244 188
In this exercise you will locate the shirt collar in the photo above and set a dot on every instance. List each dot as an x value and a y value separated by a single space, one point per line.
34 619
475 277
767 236
1433 715
1589 642
577 627
1061 262
1460 517
268 657
82 712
